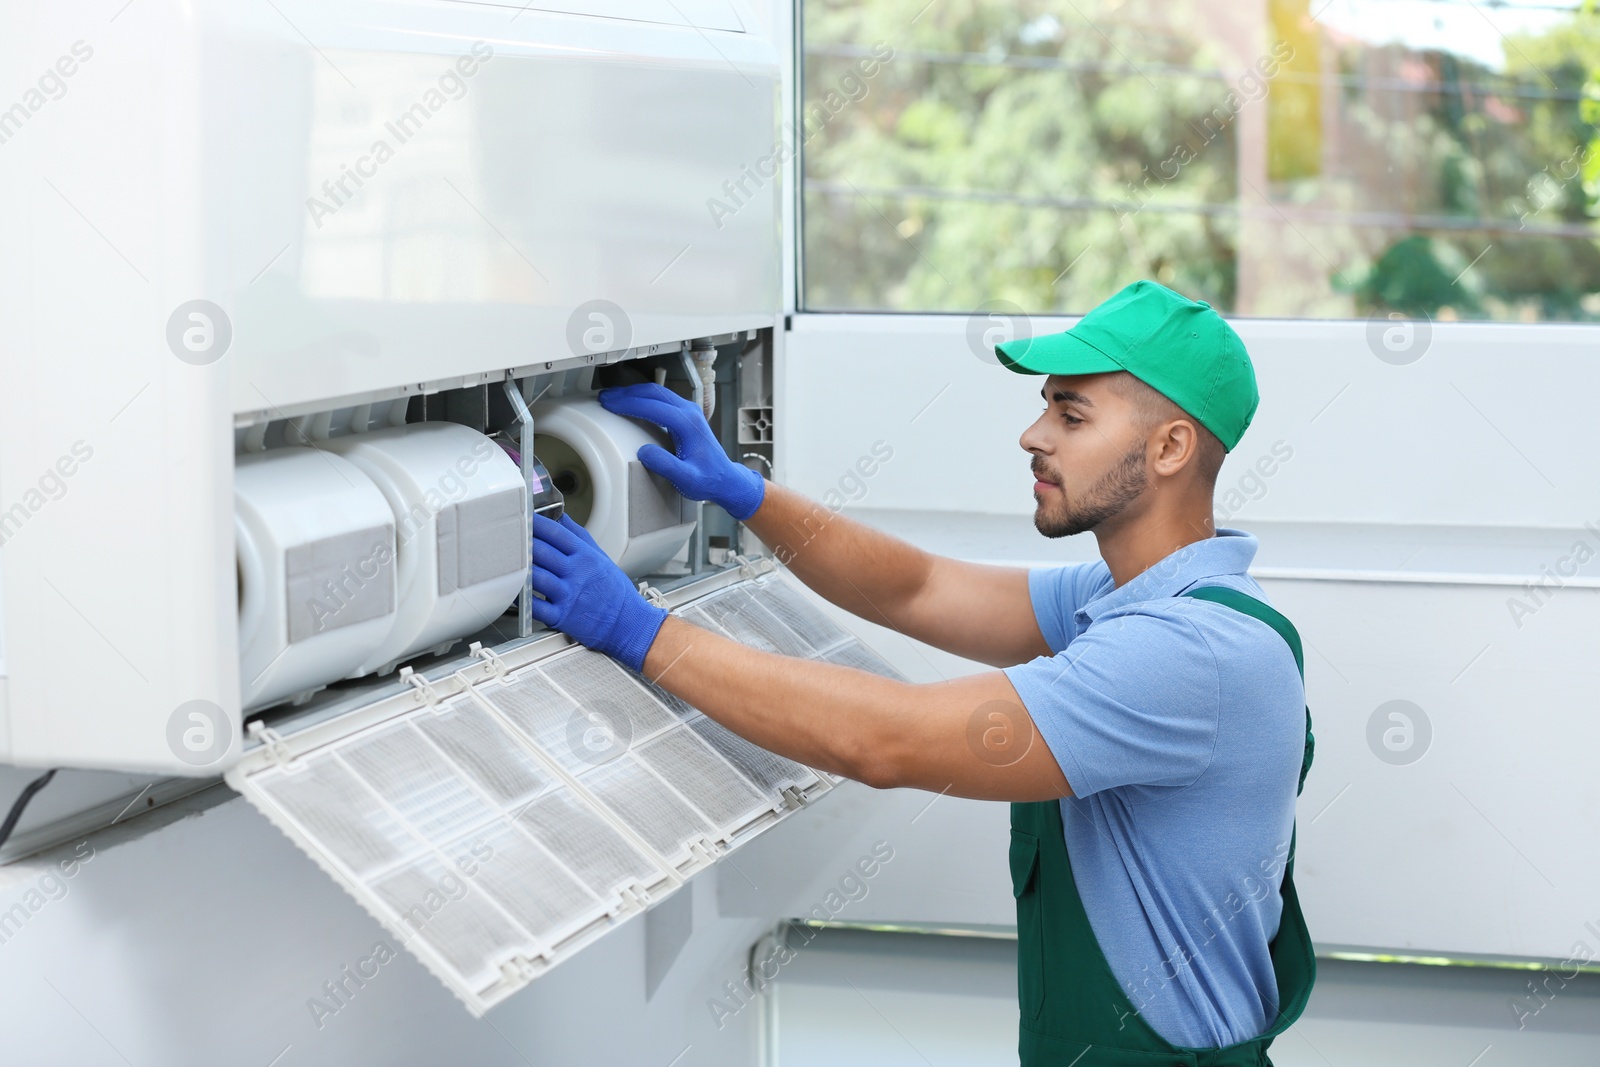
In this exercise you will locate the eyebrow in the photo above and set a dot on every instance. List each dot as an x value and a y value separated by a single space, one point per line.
1070 396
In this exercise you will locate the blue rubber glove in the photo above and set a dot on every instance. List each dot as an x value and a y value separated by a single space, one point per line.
700 469
587 597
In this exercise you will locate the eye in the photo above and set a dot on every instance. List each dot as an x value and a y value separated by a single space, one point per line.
1070 420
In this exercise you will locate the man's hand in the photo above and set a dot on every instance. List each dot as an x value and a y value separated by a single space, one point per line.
697 467
587 597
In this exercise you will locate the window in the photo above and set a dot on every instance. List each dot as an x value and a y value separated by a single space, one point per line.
1290 158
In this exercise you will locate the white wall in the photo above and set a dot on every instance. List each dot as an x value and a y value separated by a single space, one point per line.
1484 429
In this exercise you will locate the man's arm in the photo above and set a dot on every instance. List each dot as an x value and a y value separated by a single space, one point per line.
970 737
977 611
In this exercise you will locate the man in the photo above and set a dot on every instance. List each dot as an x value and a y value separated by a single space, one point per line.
1152 828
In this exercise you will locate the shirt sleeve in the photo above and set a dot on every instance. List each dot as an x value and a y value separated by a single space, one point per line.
1133 701
1056 594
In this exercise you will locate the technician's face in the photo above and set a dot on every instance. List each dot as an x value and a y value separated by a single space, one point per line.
1088 458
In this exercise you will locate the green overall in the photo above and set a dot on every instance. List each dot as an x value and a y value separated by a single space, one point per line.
1074 1012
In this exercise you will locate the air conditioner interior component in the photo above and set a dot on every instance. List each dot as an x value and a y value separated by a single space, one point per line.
636 517
460 530
316 549
513 806
546 499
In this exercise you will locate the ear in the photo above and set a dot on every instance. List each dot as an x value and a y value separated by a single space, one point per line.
1178 446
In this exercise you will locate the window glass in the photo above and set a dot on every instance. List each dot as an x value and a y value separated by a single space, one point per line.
1321 159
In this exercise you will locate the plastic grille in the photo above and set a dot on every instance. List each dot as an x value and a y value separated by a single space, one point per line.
508 826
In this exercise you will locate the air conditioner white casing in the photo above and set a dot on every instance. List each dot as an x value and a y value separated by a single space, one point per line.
584 159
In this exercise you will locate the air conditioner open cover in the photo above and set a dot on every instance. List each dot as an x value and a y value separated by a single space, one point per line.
498 817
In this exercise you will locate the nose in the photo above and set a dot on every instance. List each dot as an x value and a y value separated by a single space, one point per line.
1031 439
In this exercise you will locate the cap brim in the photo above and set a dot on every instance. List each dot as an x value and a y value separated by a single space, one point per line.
1057 353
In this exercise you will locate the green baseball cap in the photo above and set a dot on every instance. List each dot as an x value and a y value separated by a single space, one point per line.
1179 347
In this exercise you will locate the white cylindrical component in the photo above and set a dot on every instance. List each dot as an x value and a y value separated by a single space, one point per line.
457 503
636 517
316 551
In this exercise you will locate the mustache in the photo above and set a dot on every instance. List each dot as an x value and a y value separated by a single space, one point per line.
1043 473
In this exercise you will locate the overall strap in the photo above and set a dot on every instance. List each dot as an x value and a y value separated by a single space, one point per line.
1251 606
1293 958
1256 609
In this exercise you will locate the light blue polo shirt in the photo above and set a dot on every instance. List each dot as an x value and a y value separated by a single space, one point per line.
1180 725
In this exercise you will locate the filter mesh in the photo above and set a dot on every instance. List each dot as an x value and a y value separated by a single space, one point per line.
750 623
854 654
797 613
675 704
694 769
486 752
531 885
411 775
438 906
601 857
535 707
606 689
333 807
698 616
644 802
768 770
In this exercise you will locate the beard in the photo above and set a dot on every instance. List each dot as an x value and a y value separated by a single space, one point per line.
1106 498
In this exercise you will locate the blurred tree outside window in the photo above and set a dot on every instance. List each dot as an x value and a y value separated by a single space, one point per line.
1317 159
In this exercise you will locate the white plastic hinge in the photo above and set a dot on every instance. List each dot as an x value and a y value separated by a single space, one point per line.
752 568
496 664
634 898
272 741
518 968
793 798
652 594
703 849
426 693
